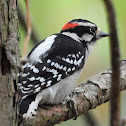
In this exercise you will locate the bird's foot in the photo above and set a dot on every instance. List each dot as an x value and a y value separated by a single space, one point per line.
71 102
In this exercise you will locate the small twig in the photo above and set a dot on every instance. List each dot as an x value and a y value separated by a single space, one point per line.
28 29
22 21
115 60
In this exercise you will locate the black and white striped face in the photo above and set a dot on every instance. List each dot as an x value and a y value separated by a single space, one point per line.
84 30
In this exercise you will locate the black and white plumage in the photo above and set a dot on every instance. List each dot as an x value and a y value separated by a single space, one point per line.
55 64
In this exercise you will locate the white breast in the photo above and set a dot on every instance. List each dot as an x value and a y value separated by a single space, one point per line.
58 92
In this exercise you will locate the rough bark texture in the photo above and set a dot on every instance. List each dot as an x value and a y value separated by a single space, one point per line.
88 96
9 62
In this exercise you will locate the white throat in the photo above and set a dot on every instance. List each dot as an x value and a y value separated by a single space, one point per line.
89 50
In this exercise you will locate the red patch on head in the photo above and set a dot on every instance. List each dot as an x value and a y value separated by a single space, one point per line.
69 26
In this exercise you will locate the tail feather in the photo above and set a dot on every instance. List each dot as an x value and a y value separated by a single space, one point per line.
28 106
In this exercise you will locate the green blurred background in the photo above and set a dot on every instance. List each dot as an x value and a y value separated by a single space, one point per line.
49 16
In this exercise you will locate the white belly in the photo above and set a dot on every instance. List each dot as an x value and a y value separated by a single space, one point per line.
58 92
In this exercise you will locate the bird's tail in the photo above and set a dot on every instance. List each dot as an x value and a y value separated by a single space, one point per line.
28 106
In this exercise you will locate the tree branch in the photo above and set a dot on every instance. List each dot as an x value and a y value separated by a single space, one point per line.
34 36
29 29
115 61
88 96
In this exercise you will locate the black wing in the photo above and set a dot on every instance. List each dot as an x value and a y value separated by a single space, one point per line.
65 57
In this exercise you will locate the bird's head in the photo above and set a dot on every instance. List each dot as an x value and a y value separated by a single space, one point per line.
83 30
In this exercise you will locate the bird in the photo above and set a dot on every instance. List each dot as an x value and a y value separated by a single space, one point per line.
54 65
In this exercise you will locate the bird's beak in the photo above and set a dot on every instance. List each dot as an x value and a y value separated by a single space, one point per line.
101 34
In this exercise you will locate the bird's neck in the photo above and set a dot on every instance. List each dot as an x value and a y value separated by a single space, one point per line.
73 36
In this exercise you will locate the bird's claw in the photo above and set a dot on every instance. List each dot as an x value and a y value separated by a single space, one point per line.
72 105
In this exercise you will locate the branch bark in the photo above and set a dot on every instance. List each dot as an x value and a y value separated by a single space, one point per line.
9 62
88 96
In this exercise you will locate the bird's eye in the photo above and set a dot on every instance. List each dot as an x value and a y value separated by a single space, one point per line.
93 29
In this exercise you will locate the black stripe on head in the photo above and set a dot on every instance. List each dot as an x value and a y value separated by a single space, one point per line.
80 30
